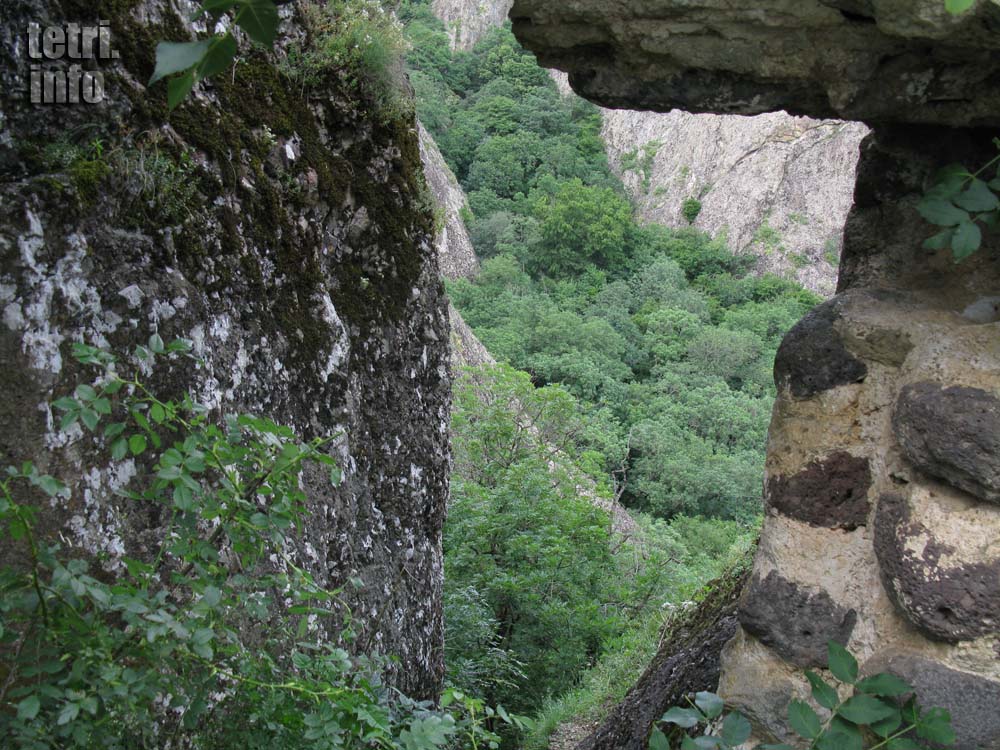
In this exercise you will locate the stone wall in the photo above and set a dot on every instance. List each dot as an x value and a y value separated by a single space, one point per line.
882 522
289 236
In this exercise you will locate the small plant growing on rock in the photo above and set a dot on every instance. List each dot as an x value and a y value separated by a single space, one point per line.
690 209
960 201
881 712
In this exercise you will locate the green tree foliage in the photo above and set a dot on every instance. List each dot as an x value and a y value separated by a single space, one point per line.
536 583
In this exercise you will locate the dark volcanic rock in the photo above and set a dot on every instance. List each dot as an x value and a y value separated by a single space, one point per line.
812 358
832 493
946 603
952 433
795 622
973 701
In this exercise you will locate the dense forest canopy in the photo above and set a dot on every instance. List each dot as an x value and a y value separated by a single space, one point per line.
635 355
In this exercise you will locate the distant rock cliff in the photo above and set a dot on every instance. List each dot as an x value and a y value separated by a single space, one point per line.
469 20
776 186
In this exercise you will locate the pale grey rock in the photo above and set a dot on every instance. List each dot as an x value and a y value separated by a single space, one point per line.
456 256
309 288
774 186
468 21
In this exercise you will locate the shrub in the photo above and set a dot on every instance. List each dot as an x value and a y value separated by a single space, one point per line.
690 209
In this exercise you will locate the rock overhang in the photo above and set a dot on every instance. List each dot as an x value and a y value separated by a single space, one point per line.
878 61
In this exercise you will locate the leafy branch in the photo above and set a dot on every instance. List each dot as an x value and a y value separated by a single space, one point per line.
960 201
880 709
187 63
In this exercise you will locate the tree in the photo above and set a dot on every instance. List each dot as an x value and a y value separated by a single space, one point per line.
580 226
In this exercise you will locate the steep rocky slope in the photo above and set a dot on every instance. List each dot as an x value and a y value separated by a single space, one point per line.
286 236
880 530
776 186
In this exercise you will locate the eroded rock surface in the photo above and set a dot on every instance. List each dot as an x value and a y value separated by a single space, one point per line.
793 620
287 238
831 492
881 60
952 433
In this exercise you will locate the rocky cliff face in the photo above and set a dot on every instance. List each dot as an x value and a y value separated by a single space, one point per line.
469 20
285 235
777 187
882 517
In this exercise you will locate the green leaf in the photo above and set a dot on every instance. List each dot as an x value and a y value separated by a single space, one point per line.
113 430
842 664
157 413
174 57
102 406
211 596
137 444
259 19
887 726
902 743
69 712
941 212
28 708
803 720
977 197
707 742
837 740
939 241
50 485
682 717
865 709
958 6
884 684
219 58
710 704
658 740
66 403
967 240
156 344
85 393
90 419
178 88
822 693
935 725
735 729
